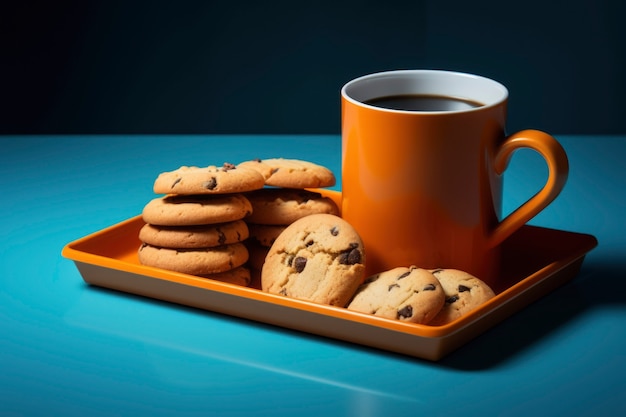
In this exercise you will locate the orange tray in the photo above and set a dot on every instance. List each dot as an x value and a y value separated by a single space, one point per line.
536 260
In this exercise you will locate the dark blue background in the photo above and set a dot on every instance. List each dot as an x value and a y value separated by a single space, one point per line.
277 67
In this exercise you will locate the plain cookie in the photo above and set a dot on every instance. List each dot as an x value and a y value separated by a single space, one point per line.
195 261
319 258
464 292
208 180
183 210
407 294
186 237
291 173
283 206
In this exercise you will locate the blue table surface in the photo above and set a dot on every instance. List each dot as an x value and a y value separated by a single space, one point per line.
71 349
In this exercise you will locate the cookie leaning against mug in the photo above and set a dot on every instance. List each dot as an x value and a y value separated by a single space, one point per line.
407 294
291 173
318 258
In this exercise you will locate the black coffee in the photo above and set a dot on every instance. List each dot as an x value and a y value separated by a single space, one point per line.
421 102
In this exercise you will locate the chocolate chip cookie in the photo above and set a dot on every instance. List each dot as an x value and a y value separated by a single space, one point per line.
238 276
319 258
188 237
464 292
208 180
407 294
265 234
291 173
283 206
199 261
192 210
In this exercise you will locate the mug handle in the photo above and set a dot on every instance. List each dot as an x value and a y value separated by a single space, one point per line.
558 170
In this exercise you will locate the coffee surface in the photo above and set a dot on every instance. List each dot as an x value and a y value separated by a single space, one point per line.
421 102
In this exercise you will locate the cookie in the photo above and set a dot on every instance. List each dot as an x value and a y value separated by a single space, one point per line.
195 261
256 254
238 276
177 210
291 173
265 234
283 206
255 279
186 237
406 294
208 180
319 258
464 293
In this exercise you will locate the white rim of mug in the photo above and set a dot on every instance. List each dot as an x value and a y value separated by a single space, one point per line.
499 91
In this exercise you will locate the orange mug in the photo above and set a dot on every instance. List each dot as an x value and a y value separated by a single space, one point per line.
423 154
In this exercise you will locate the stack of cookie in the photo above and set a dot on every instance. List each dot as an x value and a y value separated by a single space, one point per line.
197 227
284 200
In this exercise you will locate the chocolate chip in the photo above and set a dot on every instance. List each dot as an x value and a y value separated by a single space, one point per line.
334 231
404 275
463 288
309 243
299 263
176 181
405 312
452 299
350 257
392 286
257 160
354 257
221 237
210 184
343 258
228 166
283 291
429 287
